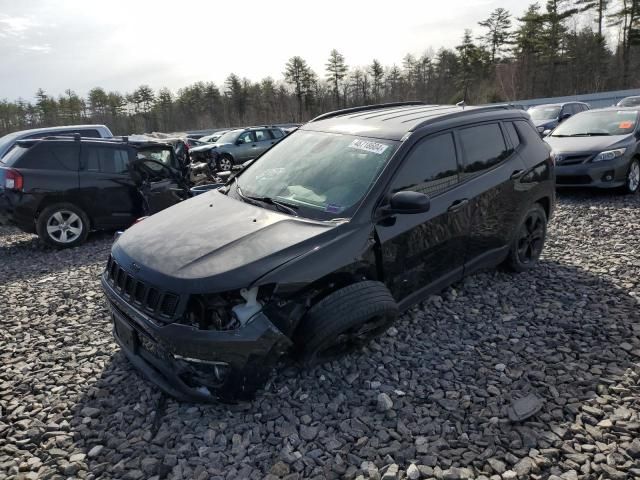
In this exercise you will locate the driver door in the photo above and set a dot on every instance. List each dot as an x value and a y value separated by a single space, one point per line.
423 253
246 147
161 190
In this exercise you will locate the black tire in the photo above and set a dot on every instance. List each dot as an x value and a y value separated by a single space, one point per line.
632 180
224 160
528 241
344 321
75 229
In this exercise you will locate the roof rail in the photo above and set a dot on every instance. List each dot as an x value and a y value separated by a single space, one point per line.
470 111
363 108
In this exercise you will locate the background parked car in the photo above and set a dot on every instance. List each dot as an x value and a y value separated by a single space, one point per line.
61 188
548 117
237 146
95 131
629 102
213 137
598 148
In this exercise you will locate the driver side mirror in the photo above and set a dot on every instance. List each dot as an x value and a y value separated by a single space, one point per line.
564 116
408 202
239 142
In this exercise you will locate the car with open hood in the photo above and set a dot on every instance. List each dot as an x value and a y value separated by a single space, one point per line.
598 148
315 247
548 117
237 146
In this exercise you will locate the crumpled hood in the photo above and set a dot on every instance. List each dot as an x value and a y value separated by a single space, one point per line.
206 148
586 144
214 243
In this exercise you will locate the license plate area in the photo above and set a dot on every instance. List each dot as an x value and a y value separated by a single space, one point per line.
126 333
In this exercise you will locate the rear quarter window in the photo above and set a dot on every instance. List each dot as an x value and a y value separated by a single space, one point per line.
46 156
536 149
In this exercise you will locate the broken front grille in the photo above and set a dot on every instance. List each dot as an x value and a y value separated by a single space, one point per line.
141 294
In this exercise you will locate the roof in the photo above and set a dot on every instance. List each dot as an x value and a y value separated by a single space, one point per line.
60 128
394 121
544 105
136 143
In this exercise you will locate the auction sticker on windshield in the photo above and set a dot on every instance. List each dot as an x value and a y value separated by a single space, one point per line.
368 146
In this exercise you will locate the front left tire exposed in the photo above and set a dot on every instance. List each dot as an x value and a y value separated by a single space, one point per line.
344 321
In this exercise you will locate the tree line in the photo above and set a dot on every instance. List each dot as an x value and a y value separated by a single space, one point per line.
563 47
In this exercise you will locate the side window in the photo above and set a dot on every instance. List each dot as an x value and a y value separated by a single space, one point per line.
49 156
431 167
483 147
262 135
105 159
246 137
510 129
277 133
531 138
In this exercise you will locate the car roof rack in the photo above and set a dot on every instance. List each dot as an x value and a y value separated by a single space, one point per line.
364 108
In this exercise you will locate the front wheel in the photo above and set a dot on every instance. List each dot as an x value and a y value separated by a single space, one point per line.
633 177
62 225
344 321
225 163
527 245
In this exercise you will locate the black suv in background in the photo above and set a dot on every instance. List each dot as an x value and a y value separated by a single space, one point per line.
548 117
62 187
317 246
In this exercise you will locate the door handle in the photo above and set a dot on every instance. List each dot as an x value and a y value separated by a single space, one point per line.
517 174
458 204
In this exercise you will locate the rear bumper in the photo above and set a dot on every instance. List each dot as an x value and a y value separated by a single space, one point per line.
197 365
12 211
607 174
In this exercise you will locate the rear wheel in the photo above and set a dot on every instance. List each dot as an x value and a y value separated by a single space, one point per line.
527 245
633 177
344 322
62 225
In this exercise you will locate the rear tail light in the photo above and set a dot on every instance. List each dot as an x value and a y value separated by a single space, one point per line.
13 179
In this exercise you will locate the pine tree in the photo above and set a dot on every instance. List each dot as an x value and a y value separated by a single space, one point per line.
297 75
498 36
336 72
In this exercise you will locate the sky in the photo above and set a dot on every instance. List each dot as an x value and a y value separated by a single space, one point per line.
119 45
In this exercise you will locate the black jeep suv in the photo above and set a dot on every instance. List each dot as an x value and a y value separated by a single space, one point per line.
62 187
316 247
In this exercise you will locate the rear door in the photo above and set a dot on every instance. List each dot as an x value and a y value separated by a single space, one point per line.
491 168
162 190
264 140
110 193
424 252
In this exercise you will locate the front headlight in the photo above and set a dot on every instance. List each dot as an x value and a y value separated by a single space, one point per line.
609 155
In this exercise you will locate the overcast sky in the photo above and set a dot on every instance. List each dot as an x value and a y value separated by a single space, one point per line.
119 45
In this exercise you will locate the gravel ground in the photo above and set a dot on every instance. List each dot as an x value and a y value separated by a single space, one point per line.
429 399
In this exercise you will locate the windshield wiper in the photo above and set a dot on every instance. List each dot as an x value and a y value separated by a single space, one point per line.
282 206
586 134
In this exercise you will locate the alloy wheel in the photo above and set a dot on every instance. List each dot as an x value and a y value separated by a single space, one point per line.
64 226
531 238
633 177
225 164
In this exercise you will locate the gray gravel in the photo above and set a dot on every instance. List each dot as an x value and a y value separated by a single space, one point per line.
428 400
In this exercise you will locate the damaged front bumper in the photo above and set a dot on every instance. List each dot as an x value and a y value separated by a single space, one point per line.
191 364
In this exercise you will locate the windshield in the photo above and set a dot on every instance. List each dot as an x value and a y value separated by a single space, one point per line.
629 102
598 122
322 175
159 154
230 137
544 113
